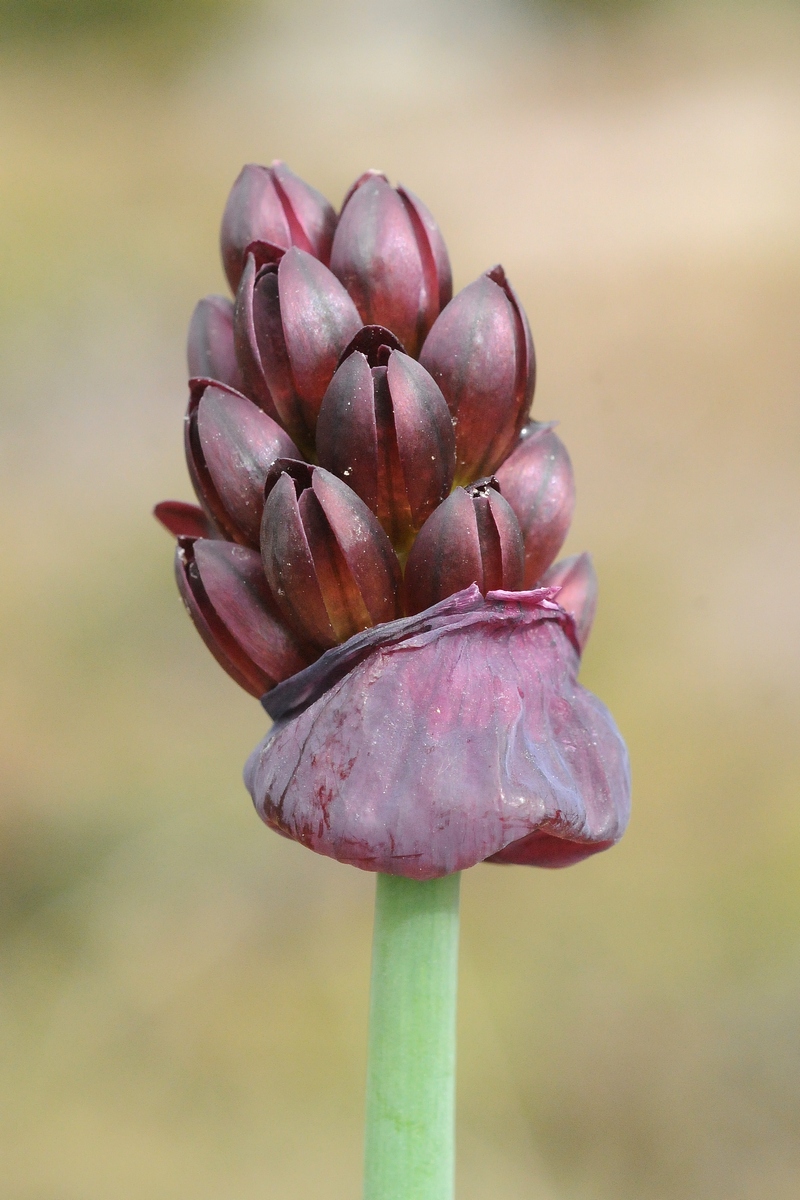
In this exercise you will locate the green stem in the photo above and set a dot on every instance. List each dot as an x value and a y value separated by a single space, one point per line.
410 1129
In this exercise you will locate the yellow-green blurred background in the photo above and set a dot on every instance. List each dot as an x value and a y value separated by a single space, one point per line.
183 994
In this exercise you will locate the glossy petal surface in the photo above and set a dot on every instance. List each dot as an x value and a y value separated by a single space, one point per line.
210 352
330 565
439 281
289 564
472 537
347 437
438 741
231 445
480 354
226 594
272 204
389 260
310 217
537 481
386 430
424 433
292 321
317 320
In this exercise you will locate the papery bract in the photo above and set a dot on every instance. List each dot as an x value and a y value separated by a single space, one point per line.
226 594
473 537
210 351
230 446
480 352
536 480
430 744
329 563
386 430
272 204
391 257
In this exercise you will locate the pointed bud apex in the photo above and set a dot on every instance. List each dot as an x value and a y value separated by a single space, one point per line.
183 520
293 319
536 480
577 579
386 430
473 537
391 257
365 177
226 594
272 204
230 446
480 352
209 350
329 564
376 343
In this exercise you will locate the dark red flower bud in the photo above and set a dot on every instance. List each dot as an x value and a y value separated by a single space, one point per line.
577 579
480 352
230 446
272 204
386 430
391 257
226 594
292 321
183 520
209 349
537 481
376 342
329 563
473 537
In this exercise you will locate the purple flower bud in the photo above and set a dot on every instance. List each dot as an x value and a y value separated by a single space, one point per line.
473 537
183 520
329 563
226 594
384 427
391 257
577 579
293 319
272 204
230 446
376 342
428 745
536 480
480 352
209 350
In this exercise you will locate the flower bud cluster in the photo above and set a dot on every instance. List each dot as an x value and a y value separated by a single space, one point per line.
358 438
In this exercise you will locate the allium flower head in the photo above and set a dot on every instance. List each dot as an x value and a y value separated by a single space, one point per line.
374 549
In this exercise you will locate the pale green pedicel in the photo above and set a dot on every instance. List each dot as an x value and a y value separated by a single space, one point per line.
410 1122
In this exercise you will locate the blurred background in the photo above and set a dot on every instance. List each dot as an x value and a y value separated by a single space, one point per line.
183 995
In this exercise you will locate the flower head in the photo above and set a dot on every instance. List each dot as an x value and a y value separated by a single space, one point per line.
373 554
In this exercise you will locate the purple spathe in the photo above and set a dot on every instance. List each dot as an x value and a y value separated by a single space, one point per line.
428 744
